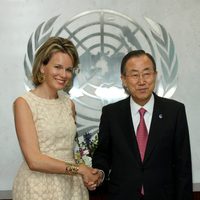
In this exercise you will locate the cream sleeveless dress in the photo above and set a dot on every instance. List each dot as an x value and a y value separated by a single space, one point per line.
56 131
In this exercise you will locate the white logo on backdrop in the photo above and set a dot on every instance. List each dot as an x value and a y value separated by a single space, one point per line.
102 38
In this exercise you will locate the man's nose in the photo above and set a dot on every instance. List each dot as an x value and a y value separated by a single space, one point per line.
141 78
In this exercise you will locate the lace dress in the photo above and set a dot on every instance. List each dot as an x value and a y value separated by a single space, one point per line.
56 131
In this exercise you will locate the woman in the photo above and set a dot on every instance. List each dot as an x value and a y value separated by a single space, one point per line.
45 126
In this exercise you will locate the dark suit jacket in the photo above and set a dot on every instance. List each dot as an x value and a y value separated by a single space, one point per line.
165 172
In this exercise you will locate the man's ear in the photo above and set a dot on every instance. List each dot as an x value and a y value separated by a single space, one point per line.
123 78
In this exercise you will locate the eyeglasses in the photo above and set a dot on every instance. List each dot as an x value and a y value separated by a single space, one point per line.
136 75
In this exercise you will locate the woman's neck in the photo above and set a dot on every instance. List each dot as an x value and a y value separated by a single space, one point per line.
45 92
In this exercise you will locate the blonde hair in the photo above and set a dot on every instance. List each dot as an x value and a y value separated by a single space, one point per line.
45 52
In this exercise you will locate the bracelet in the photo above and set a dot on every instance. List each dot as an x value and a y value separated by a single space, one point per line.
71 169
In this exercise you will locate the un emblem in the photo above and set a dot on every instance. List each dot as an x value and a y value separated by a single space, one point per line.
102 38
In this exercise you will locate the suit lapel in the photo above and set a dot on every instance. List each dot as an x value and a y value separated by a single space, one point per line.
128 128
156 127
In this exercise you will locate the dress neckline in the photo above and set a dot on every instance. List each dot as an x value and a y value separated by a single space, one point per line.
44 100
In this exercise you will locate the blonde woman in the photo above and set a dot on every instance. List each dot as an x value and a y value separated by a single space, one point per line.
45 127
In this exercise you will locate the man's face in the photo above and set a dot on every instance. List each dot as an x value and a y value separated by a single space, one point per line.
139 78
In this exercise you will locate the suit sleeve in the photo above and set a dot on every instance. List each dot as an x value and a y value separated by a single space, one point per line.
182 158
101 157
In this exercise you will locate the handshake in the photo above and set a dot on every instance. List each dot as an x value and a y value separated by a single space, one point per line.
91 177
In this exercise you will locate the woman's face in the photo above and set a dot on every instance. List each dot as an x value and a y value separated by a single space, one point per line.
58 72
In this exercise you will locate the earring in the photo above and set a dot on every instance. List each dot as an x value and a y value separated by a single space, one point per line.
40 77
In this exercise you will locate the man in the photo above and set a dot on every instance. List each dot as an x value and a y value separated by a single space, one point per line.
144 157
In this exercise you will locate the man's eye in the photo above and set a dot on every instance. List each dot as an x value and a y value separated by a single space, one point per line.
146 74
135 75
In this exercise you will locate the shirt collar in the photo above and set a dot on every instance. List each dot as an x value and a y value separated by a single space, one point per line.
148 106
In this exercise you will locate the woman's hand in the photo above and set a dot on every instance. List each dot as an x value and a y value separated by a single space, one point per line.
91 177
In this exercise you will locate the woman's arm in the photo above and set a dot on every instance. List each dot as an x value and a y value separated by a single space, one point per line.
28 140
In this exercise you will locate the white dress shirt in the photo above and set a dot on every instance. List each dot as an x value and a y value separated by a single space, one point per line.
147 116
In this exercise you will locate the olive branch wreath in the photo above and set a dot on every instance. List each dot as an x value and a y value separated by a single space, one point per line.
167 84
42 33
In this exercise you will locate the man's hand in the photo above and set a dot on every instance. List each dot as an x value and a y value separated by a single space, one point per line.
91 177
99 175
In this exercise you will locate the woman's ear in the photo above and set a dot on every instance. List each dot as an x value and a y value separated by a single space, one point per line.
42 69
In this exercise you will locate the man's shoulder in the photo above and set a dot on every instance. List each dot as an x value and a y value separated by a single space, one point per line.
168 102
117 104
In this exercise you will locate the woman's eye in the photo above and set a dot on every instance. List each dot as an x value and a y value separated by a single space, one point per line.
70 69
57 67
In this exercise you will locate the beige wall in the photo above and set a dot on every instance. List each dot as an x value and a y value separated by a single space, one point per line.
20 18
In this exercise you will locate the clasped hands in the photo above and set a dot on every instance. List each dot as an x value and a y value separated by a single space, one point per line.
91 177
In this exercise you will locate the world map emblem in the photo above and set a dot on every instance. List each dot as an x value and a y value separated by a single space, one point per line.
102 38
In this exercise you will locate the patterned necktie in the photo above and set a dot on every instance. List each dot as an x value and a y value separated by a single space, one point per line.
142 133
142 136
